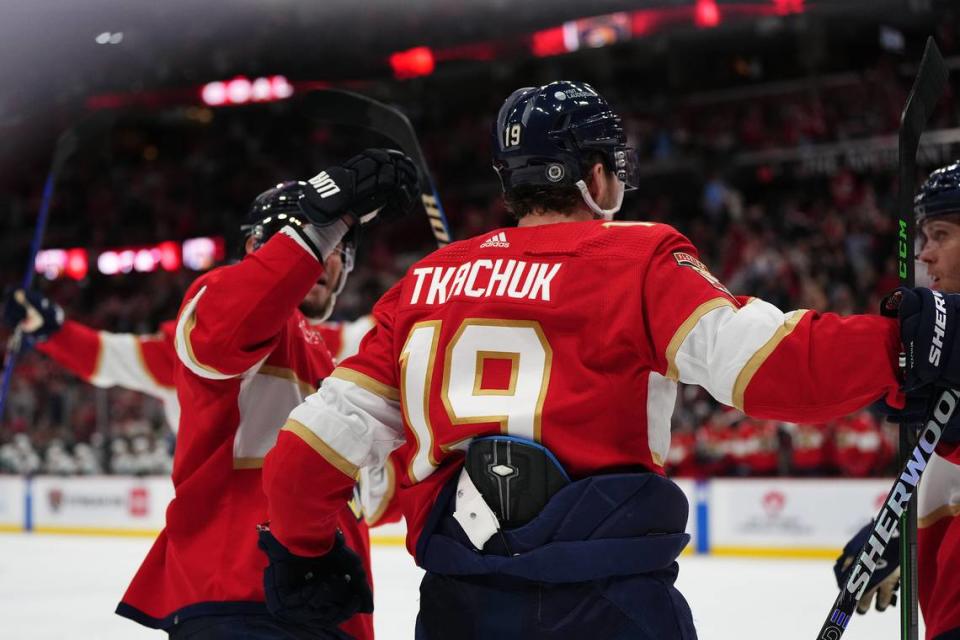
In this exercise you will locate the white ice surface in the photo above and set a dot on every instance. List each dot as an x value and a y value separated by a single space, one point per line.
65 587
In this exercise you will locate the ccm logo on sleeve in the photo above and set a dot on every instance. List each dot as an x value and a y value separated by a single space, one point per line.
687 260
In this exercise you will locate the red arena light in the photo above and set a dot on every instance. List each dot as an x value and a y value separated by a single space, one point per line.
784 7
706 14
412 63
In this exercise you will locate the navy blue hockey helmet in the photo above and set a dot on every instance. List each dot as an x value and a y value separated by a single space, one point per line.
940 194
543 136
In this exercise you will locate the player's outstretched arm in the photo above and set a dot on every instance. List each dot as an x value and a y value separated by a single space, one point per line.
141 363
104 359
798 366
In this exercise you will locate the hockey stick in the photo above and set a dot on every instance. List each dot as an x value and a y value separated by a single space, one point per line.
900 503
67 144
929 85
345 107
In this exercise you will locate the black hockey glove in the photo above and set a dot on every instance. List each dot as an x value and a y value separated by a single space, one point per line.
885 580
376 183
325 590
928 325
916 411
37 315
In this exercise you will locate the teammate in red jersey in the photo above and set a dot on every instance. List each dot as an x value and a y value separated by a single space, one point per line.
528 376
937 207
245 357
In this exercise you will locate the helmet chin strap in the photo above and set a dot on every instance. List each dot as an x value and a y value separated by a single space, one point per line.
606 214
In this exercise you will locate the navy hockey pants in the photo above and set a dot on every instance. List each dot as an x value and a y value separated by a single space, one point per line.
247 627
599 562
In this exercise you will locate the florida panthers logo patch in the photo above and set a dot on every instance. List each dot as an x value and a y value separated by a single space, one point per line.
687 260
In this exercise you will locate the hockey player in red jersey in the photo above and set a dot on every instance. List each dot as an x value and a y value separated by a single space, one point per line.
245 357
528 376
937 207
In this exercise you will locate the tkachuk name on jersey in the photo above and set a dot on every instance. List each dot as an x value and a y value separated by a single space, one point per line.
499 240
483 278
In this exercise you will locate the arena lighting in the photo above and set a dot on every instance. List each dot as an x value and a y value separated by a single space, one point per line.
242 90
196 254
54 263
412 63
165 256
200 254
706 13
784 7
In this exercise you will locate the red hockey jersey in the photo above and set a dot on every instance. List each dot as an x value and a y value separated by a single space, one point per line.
246 357
572 334
938 542
142 363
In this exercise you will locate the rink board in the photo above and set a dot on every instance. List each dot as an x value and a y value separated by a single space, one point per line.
752 517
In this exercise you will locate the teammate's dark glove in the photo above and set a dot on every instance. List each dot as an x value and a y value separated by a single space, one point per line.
917 410
36 315
376 183
325 590
885 579
928 324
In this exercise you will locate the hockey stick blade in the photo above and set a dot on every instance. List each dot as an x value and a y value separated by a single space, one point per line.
887 520
928 87
344 107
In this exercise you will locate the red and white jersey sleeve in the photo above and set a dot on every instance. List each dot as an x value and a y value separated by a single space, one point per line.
794 366
141 363
352 422
225 328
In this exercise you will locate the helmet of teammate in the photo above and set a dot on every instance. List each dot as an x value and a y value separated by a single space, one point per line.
543 136
278 207
940 194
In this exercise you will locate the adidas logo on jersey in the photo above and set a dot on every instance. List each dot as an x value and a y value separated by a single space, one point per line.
324 185
498 240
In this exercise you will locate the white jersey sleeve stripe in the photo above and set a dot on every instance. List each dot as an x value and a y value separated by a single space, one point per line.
120 362
760 356
377 486
185 325
356 427
726 346
661 399
684 330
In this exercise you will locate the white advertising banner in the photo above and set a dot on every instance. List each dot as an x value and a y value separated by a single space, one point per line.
12 501
100 504
790 516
